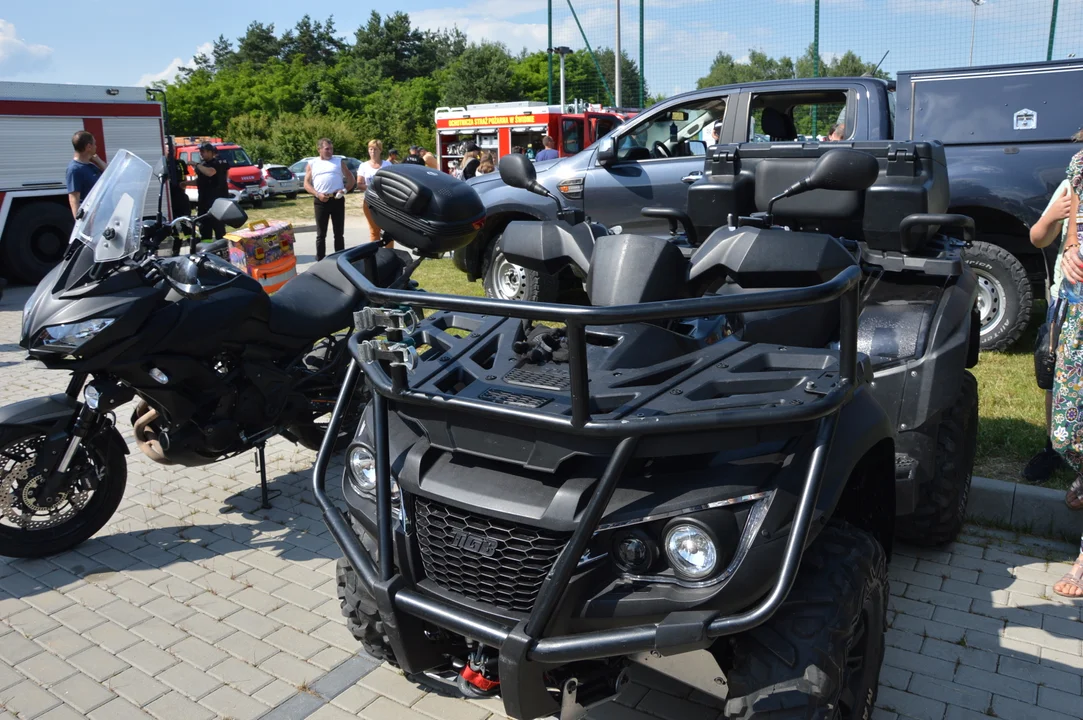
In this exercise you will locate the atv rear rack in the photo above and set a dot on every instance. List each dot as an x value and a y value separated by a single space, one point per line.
526 653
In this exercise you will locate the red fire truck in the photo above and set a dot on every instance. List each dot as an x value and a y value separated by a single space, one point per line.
498 127
36 124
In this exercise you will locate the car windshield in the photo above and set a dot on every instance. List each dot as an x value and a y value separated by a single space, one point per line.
234 157
280 173
110 219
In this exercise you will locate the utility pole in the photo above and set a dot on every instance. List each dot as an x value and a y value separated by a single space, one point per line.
562 51
815 57
616 61
550 52
1052 31
642 70
973 27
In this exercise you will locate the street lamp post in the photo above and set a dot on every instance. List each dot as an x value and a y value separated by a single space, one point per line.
973 26
562 51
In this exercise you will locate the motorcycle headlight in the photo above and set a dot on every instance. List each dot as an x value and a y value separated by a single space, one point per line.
70 336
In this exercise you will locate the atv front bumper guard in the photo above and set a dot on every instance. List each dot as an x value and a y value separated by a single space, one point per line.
526 653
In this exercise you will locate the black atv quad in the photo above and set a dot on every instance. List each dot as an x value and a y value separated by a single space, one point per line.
698 465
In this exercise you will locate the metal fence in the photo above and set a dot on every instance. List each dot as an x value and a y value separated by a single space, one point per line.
675 42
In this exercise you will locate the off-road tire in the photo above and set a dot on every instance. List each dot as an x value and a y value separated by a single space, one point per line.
34 241
1002 278
531 286
104 447
794 666
941 506
359 607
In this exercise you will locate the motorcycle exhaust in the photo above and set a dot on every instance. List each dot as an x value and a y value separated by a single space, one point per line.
146 437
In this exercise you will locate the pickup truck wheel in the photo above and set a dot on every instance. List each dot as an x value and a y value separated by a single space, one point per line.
941 506
1004 295
505 280
35 240
819 656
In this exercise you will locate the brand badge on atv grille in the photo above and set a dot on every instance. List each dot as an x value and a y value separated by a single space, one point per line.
476 544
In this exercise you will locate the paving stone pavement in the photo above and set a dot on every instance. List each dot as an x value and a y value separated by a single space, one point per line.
194 603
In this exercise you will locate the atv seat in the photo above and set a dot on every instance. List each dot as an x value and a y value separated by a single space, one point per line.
321 301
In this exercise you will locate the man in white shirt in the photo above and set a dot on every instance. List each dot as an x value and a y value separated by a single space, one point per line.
328 180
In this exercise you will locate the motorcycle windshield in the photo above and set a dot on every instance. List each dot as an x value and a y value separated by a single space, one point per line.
110 221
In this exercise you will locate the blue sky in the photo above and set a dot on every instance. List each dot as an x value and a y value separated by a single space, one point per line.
129 42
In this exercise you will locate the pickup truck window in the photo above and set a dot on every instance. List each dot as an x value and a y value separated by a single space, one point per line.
667 133
787 117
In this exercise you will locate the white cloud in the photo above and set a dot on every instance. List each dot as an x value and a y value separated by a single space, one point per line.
17 55
174 66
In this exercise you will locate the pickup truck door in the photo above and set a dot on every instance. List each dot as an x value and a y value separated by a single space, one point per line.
658 155
805 114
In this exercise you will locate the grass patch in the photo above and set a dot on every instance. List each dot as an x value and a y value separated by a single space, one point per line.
1011 409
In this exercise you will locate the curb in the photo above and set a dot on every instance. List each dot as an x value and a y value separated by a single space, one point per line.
1028 508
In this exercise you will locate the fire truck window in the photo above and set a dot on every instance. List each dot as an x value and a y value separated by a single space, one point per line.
603 126
571 133
666 133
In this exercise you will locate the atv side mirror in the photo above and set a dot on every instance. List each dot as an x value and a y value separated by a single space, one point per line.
226 211
843 169
839 169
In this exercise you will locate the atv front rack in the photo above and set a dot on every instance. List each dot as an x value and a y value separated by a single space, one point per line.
526 653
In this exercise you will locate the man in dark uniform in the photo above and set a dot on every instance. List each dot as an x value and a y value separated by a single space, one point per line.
212 176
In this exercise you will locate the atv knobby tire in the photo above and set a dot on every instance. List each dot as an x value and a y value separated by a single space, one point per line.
941 506
363 618
359 607
819 656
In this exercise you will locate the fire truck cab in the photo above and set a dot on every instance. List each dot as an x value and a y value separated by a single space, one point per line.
246 182
37 121
500 127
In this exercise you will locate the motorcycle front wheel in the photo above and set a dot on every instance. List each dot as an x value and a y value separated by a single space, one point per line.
31 526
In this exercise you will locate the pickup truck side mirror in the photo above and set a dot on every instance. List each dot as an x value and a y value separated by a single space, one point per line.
607 152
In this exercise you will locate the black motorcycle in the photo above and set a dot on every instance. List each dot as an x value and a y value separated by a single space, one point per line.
217 365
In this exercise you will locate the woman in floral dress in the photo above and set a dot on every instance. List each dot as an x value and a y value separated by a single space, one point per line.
1067 420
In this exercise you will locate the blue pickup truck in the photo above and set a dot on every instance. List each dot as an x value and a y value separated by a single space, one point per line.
1006 129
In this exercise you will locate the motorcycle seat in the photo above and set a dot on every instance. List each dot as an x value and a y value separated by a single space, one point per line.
321 301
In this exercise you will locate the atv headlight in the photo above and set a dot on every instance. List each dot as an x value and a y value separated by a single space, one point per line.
363 473
691 551
70 336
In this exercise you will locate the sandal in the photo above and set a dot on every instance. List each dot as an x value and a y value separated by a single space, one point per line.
1073 580
1074 497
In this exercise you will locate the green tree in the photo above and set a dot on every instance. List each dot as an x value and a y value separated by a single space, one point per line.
258 45
395 49
223 54
482 73
313 42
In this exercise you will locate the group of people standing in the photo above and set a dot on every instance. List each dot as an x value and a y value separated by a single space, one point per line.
1063 220
328 179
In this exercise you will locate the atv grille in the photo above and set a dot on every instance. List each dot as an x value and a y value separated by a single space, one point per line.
546 377
503 397
485 559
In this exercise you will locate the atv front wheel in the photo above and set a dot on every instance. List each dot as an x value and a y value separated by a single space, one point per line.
941 506
819 656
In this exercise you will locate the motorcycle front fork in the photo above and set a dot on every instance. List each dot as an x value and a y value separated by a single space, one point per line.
83 422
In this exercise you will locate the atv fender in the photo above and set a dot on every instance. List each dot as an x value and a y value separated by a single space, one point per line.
862 425
47 414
